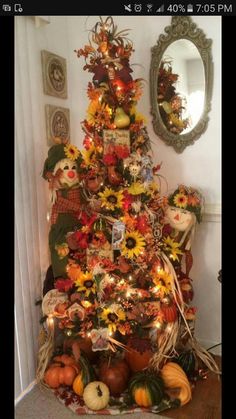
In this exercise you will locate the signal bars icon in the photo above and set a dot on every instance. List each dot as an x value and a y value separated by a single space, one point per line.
160 9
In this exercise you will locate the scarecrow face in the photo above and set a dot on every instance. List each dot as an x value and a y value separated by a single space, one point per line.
178 218
69 176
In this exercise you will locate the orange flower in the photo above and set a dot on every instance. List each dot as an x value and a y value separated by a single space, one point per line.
193 200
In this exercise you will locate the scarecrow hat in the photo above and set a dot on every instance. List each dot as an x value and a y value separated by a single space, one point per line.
189 199
59 152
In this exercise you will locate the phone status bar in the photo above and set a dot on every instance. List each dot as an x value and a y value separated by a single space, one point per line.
174 8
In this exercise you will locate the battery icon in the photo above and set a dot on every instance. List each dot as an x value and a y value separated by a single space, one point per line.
190 8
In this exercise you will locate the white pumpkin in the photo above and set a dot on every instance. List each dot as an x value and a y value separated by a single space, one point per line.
96 395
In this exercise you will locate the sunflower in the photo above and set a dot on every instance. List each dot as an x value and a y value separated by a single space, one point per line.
89 155
173 247
163 281
133 244
112 316
111 199
71 152
86 283
181 200
136 188
98 114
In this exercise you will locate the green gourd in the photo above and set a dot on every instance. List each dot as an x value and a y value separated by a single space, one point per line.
121 120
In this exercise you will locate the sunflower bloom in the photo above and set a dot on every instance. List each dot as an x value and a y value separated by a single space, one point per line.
181 200
173 247
86 283
111 199
112 316
133 244
163 281
71 152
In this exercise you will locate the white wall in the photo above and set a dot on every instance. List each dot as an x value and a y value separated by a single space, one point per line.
199 165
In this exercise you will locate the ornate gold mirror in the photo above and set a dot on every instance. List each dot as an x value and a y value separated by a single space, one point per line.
181 79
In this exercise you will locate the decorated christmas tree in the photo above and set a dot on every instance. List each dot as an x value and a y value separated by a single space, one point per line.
118 325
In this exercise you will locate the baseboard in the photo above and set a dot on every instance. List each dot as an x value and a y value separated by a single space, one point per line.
27 390
208 344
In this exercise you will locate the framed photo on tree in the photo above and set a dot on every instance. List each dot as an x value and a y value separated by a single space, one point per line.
54 74
57 124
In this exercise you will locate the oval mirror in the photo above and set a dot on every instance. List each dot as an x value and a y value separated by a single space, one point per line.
181 78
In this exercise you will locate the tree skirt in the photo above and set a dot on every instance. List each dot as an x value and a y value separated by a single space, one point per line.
116 405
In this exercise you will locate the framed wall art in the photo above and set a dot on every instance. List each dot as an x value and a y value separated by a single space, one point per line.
57 124
54 74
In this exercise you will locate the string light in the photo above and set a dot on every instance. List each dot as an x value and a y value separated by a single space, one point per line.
88 334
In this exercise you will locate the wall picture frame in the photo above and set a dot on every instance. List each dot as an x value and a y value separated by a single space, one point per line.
54 73
57 124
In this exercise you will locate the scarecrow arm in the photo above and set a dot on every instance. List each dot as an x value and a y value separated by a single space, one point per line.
65 204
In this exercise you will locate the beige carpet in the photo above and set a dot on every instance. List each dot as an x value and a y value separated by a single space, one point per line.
42 404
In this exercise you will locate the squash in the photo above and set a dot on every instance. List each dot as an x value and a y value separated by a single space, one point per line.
170 312
174 377
138 354
187 362
62 372
96 395
115 374
84 377
146 389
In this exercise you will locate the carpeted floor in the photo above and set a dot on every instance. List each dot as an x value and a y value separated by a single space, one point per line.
42 404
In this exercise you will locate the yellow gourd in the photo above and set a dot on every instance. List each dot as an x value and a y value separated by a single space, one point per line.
78 385
121 120
174 377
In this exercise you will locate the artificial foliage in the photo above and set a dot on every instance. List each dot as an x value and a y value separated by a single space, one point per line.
171 103
120 300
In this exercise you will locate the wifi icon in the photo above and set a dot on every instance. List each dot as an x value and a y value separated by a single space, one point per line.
149 7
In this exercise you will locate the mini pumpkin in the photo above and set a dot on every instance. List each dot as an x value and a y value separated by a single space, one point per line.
61 372
146 389
96 395
170 312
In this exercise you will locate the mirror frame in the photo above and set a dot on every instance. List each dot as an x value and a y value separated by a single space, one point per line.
182 27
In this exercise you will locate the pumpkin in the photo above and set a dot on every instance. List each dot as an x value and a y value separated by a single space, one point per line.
84 377
170 312
146 389
61 372
138 354
115 374
96 395
187 362
174 377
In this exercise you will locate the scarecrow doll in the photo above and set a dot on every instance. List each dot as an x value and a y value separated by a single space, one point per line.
183 211
60 170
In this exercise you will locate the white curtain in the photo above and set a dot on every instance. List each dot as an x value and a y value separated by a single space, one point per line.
31 227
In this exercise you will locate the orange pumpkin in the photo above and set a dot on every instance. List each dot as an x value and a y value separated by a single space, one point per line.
170 312
139 353
60 373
